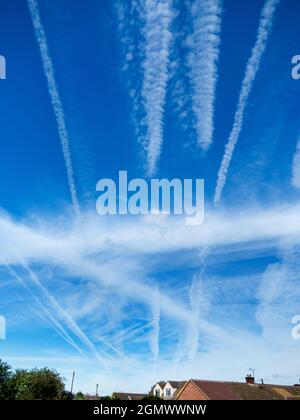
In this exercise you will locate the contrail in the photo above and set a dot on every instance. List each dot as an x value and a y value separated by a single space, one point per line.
130 21
49 317
154 338
72 325
198 306
202 61
158 19
296 167
55 98
265 26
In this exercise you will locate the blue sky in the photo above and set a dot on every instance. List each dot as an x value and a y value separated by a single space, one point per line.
158 89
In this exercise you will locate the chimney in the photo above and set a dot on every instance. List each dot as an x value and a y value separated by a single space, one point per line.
249 379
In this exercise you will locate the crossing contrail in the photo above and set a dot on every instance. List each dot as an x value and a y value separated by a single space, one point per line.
203 60
264 29
157 33
55 98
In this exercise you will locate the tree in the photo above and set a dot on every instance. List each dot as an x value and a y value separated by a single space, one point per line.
5 376
39 384
79 396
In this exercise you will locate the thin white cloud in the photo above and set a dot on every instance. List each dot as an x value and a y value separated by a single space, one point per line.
56 312
279 294
154 337
130 20
296 167
114 257
203 58
265 26
199 306
55 97
43 312
158 16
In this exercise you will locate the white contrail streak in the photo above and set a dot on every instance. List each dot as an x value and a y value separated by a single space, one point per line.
158 18
202 62
154 338
55 98
296 167
265 26
48 316
199 307
72 325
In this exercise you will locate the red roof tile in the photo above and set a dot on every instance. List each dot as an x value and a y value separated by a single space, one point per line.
216 390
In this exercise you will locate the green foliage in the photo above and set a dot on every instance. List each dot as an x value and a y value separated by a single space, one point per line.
39 384
36 384
66 396
5 376
79 396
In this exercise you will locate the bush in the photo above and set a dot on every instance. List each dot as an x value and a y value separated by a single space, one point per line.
36 384
5 380
39 384
79 396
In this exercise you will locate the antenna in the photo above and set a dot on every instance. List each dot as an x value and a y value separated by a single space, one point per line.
253 372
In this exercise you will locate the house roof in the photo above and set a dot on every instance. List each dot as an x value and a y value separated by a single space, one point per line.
218 390
129 396
176 384
215 390
263 392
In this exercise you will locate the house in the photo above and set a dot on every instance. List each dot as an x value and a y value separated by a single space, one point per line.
158 389
166 390
196 389
128 396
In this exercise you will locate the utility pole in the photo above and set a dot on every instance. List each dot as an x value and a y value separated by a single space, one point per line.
73 375
97 386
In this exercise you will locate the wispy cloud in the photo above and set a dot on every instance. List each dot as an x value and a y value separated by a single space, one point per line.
54 312
157 38
199 308
44 313
279 294
203 58
55 97
130 21
296 167
154 337
114 257
265 26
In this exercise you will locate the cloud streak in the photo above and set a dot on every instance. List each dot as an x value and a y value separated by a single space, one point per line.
114 258
158 16
296 167
55 97
154 337
265 26
203 59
